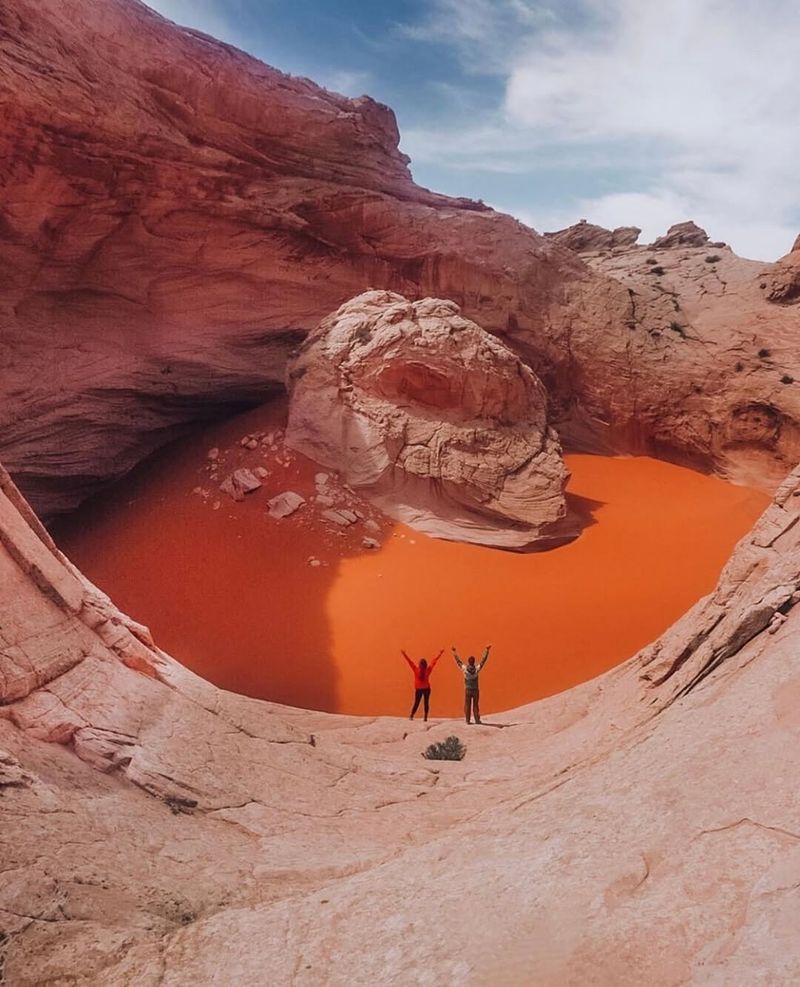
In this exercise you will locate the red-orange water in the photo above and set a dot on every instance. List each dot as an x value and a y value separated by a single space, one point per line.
231 594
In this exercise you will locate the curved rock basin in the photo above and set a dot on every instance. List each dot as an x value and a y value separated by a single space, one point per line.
230 591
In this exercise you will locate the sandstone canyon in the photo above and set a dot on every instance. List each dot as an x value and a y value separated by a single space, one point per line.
185 233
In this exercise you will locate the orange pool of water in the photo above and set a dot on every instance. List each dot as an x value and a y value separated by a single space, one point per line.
230 592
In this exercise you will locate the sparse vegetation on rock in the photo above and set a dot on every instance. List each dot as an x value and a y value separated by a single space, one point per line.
450 749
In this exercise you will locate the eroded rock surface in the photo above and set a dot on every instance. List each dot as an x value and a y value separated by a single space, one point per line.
155 830
584 236
781 282
177 216
687 234
703 313
432 416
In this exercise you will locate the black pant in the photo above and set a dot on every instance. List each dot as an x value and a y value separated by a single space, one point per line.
424 694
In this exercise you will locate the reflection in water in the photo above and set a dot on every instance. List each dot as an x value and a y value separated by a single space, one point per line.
230 592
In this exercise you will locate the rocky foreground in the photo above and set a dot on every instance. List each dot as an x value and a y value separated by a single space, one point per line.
156 830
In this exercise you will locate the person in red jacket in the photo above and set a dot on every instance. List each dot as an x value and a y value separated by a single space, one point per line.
422 682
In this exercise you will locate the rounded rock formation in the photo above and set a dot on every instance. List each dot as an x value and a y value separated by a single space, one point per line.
435 419
687 234
584 237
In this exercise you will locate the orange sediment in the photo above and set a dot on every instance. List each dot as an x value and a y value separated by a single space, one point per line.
230 591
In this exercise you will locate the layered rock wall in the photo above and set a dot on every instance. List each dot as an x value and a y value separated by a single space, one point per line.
176 216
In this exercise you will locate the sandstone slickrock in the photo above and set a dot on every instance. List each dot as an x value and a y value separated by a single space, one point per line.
431 416
641 827
203 212
723 348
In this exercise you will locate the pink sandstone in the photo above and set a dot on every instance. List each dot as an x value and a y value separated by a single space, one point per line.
434 419
177 216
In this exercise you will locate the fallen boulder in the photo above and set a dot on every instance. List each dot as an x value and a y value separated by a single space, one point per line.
433 418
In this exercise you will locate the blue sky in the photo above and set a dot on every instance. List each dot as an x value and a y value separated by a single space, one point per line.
619 111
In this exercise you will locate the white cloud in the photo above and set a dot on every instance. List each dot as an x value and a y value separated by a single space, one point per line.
347 83
209 16
700 91
485 32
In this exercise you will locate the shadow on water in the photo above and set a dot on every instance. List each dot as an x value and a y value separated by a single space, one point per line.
223 590
583 509
231 592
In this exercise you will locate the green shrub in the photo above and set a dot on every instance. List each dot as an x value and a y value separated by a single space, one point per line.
446 750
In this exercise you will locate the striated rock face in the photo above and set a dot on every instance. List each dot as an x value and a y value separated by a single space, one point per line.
701 311
176 216
289 846
585 237
438 421
687 234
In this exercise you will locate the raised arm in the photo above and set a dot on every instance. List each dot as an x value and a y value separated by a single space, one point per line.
459 662
410 662
433 663
485 656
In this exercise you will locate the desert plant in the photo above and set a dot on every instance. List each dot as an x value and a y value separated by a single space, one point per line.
651 260
713 258
446 750
787 379
739 367
763 354
657 270
677 327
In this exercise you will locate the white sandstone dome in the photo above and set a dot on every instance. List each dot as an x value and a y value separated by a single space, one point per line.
435 418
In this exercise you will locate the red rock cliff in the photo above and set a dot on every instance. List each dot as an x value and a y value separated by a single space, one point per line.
176 215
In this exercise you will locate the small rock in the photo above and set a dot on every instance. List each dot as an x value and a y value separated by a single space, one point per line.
371 525
370 543
213 453
320 479
314 562
324 500
778 619
216 505
239 483
343 517
285 504
261 472
359 515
